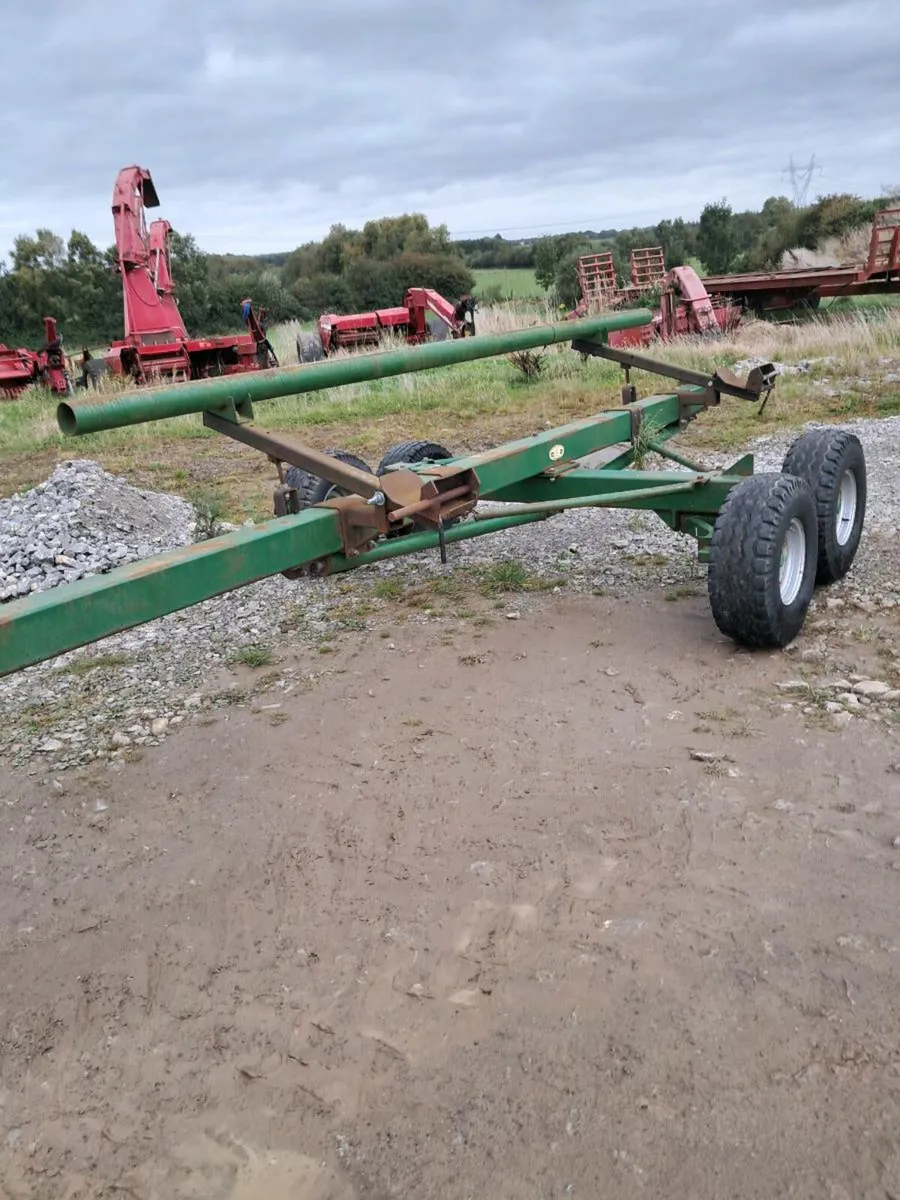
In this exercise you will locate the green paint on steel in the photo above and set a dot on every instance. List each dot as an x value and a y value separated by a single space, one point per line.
659 447
133 408
413 543
515 461
50 623
584 487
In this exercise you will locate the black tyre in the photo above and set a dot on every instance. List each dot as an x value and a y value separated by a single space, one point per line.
832 462
309 348
762 561
313 489
412 452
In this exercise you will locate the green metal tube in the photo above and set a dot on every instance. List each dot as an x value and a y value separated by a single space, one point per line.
133 408
412 543
609 500
665 452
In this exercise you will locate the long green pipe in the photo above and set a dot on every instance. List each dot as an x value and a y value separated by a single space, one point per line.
412 543
133 408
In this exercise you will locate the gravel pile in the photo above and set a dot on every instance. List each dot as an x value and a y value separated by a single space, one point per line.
131 688
81 522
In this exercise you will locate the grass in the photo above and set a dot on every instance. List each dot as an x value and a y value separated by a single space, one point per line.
513 283
254 656
470 407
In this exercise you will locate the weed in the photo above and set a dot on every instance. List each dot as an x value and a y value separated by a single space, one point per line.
682 592
254 656
96 662
528 362
209 514
646 433
646 560
387 589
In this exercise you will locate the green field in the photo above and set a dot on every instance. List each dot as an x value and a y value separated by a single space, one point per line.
517 283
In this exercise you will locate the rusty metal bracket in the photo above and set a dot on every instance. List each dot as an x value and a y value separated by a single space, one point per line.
629 394
760 380
690 401
280 448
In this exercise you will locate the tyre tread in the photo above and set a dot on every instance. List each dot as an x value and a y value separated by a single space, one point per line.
744 550
412 452
312 489
817 456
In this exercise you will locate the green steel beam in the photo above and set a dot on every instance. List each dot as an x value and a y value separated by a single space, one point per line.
232 393
46 624
695 494
514 462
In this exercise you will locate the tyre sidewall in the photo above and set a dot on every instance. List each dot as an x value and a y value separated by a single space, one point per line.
835 559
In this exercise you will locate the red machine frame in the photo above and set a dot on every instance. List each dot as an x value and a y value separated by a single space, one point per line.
685 306
409 320
47 367
156 342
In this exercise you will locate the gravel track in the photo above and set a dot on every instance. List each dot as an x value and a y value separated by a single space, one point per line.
83 520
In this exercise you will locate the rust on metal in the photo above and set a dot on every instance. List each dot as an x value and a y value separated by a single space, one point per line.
428 503
722 381
298 454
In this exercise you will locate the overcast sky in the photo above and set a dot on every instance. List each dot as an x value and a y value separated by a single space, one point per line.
264 123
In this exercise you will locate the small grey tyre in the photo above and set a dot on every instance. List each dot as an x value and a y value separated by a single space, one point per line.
832 462
762 561
313 489
412 452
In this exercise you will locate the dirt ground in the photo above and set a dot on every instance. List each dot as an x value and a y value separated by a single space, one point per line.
465 920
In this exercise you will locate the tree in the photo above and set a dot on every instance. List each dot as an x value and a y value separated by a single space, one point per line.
678 241
44 252
550 253
715 237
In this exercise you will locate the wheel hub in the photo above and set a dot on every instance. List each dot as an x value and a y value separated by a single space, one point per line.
793 561
845 517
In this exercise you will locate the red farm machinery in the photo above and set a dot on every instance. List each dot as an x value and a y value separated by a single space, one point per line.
423 316
47 367
685 305
773 291
156 343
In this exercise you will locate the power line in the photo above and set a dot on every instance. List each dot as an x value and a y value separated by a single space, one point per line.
801 178
487 230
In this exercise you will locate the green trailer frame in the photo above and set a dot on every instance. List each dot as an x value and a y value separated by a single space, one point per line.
762 536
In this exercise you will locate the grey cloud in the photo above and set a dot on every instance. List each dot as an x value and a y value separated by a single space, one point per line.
417 98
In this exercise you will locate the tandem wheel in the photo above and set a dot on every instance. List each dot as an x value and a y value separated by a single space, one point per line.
778 535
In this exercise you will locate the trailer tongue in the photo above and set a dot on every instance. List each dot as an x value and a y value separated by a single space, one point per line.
767 539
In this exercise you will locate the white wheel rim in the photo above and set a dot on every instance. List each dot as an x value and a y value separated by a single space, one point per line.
846 508
793 561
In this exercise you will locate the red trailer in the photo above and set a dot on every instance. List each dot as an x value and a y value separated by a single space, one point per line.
770 291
